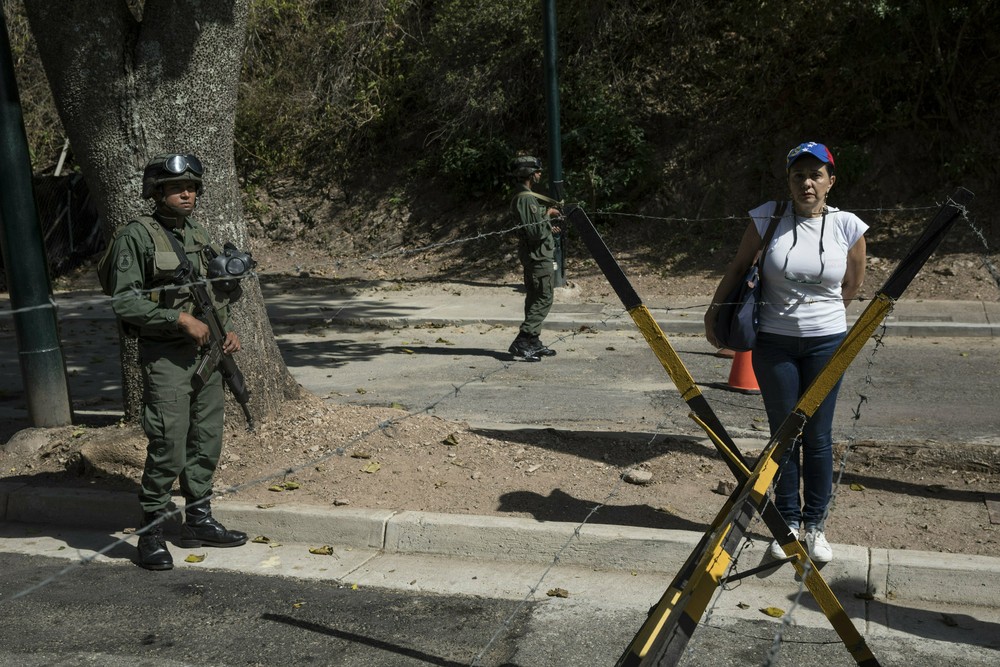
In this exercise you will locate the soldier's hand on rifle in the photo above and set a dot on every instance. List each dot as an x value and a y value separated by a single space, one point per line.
231 345
193 327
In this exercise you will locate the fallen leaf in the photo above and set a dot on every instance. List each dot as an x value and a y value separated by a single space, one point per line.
773 612
742 605
857 487
290 486
265 506
360 455
372 467
325 550
451 440
194 558
558 593
408 351
277 488
443 341
361 390
261 539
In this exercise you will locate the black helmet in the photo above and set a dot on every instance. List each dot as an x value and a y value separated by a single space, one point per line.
525 166
169 168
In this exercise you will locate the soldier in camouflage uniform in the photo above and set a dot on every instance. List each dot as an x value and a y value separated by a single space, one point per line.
536 250
182 420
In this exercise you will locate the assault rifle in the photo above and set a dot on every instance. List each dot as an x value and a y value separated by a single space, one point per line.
237 264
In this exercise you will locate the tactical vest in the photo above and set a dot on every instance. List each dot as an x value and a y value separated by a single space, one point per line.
161 265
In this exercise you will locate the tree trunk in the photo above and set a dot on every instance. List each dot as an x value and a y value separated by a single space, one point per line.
131 80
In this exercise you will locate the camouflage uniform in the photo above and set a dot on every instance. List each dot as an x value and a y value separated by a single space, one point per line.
182 418
536 250
183 423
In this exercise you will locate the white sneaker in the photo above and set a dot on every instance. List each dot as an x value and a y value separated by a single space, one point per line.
775 549
817 546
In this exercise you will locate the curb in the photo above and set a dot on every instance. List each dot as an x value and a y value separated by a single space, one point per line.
894 575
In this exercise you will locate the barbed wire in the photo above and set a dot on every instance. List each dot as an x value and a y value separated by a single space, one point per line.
745 218
863 398
332 260
429 408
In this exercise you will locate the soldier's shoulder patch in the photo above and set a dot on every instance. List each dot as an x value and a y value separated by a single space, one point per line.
124 260
535 208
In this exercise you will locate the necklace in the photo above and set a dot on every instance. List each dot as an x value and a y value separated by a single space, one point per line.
798 278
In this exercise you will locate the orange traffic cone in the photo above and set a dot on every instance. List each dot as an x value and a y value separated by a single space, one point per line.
741 377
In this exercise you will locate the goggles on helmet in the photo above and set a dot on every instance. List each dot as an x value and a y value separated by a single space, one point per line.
178 164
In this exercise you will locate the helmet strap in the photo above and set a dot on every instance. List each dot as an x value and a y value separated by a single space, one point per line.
169 216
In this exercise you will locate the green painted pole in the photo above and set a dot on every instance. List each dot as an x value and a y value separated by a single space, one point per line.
557 188
39 351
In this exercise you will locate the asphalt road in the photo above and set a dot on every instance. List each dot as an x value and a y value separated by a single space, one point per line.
923 389
913 389
117 615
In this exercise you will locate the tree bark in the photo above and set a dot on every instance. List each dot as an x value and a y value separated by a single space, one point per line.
132 80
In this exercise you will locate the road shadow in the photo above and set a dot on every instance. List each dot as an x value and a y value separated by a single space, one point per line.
622 449
356 638
560 506
81 540
929 491
332 354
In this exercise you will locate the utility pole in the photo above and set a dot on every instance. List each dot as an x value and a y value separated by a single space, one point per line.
42 366
557 189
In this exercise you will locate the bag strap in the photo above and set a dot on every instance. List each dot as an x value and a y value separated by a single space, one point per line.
538 196
185 263
779 213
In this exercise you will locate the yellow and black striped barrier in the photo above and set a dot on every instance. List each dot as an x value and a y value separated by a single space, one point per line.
671 622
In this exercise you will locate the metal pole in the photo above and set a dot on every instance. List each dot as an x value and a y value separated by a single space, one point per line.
557 189
42 366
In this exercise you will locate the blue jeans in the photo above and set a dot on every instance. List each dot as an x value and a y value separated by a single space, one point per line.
785 366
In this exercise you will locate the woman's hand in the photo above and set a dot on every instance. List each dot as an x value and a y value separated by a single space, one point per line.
710 317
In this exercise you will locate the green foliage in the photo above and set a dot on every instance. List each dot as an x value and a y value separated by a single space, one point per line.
41 122
664 106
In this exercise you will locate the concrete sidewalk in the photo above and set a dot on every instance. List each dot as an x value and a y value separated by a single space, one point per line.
369 546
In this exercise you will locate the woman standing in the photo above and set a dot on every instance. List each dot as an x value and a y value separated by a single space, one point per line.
813 268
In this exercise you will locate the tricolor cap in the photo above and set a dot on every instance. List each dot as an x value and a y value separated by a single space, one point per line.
818 151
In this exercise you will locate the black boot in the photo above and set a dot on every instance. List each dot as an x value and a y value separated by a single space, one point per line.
153 553
540 348
200 529
522 350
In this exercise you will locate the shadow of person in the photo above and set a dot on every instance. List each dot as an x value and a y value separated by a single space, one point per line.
85 542
66 507
449 351
560 506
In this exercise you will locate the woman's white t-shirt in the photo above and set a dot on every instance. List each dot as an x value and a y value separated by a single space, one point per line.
801 285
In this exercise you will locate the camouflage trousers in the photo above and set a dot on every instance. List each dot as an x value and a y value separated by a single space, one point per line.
538 287
183 425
